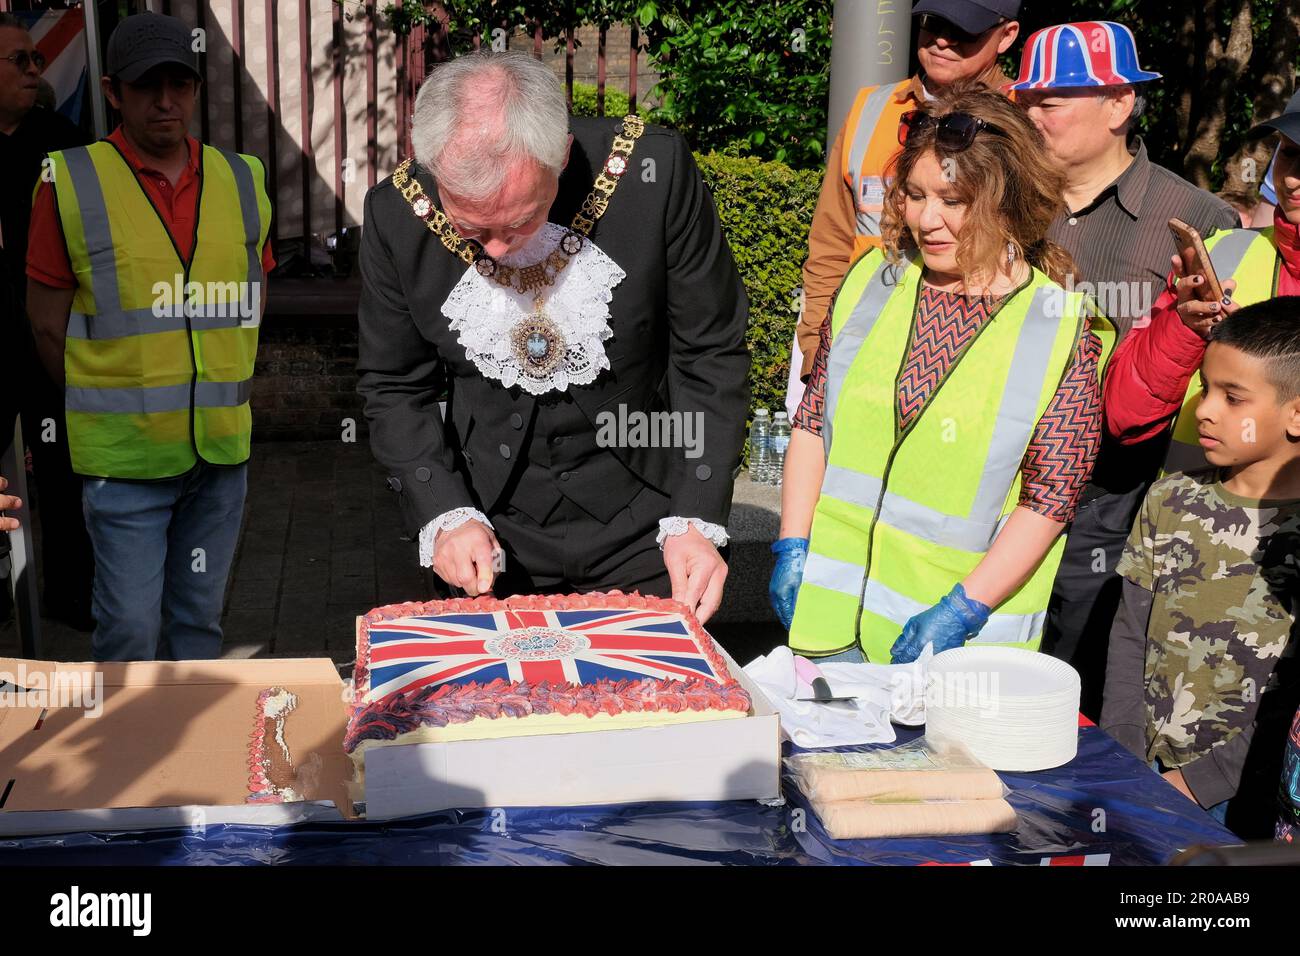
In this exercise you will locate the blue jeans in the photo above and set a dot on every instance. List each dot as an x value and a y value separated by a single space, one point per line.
852 656
163 551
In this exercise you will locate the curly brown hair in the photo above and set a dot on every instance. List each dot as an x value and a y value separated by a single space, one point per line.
1010 188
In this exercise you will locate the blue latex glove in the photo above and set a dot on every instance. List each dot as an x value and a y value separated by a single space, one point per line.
950 623
791 553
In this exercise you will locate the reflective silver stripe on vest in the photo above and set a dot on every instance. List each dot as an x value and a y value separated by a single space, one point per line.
975 531
248 208
951 531
120 324
128 322
162 398
1015 423
1228 252
868 120
845 345
222 394
1000 629
833 575
98 236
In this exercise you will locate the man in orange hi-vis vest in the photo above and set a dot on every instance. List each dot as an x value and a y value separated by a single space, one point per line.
956 40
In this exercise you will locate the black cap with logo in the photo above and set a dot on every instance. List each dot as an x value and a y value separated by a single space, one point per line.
973 16
146 40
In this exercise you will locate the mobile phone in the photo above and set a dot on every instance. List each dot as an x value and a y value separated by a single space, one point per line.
1196 260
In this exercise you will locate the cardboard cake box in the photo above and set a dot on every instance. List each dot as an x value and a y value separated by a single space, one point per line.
144 745
167 744
735 759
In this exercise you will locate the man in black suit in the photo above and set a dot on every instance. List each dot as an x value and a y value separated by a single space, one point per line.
597 400
28 131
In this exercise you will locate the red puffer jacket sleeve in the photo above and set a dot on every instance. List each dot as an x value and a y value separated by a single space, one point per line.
1147 377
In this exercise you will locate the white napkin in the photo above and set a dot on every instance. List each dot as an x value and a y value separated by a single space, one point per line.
884 692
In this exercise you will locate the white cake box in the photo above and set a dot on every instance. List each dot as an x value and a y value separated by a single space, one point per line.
736 759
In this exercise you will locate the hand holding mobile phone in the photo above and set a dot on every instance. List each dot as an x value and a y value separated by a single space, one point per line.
1203 301
1196 260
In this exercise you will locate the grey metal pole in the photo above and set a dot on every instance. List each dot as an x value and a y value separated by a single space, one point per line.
94 70
871 41
22 571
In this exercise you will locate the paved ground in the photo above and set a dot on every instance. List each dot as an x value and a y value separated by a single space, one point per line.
322 543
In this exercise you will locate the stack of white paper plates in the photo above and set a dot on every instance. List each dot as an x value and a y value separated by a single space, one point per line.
1012 709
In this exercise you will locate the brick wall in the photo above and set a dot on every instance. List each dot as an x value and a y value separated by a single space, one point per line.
305 381
617 59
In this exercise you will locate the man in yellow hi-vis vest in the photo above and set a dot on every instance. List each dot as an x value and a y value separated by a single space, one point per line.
146 282
957 40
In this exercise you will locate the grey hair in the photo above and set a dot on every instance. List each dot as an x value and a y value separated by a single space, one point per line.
1139 103
479 114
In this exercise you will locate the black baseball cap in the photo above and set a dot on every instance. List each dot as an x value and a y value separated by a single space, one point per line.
973 16
146 40
1288 124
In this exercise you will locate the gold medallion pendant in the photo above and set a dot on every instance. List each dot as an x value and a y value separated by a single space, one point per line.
538 345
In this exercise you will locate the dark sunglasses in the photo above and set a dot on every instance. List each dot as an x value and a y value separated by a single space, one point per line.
954 132
939 27
22 59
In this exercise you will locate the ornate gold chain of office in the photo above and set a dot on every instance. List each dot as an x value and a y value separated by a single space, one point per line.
537 342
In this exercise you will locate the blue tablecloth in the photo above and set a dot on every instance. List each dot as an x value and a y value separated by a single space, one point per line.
1105 806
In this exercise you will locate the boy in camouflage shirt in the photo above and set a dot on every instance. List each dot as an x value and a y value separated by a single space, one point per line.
1200 677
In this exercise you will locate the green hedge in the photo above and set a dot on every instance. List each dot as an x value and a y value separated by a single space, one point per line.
616 102
766 209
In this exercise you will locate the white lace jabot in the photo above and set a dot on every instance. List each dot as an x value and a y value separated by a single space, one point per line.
486 314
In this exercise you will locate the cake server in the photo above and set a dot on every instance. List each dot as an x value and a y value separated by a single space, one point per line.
811 674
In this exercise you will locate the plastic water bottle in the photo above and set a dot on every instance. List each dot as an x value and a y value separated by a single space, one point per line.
780 442
760 447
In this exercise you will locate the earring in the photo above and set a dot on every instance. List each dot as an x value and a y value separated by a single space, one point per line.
1011 253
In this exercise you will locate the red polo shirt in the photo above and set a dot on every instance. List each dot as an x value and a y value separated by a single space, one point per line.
47 253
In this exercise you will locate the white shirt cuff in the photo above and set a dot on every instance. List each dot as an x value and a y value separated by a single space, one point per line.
446 522
669 527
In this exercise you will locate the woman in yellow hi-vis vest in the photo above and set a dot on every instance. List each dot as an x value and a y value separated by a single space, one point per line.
954 409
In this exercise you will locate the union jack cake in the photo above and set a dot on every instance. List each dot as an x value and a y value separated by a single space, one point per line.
473 668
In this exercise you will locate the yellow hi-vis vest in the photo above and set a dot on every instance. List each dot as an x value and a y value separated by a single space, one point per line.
1251 257
159 353
904 514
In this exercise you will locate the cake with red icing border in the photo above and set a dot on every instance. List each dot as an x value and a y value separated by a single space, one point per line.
476 668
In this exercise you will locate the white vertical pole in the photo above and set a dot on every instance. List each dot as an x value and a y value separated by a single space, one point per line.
94 69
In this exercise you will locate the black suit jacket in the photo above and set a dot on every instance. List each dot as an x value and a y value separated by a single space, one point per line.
678 321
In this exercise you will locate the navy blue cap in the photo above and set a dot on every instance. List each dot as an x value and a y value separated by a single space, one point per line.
973 16
1288 124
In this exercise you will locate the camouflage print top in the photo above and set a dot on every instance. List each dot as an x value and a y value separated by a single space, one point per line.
1225 582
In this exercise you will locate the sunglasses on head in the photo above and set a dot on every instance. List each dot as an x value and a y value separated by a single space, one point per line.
953 132
22 59
939 27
